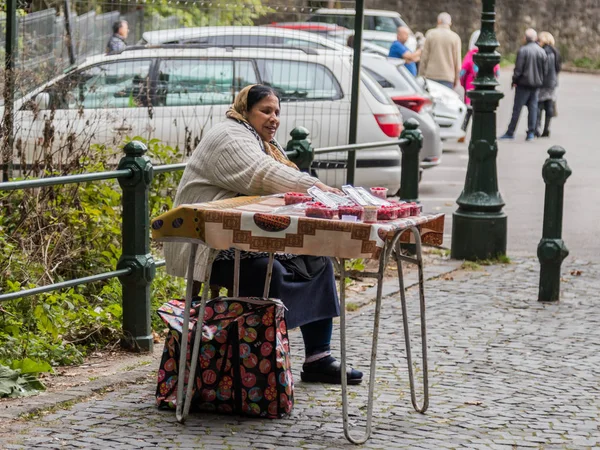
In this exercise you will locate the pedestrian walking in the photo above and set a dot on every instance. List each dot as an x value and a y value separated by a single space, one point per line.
528 77
116 43
468 73
440 60
400 50
547 96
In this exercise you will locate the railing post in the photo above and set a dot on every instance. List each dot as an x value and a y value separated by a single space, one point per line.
551 249
136 248
7 128
299 149
409 177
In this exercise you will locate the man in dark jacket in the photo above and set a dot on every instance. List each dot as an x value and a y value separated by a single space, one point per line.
116 43
530 69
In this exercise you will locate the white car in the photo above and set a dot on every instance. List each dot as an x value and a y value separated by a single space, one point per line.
220 36
175 94
449 110
413 101
379 26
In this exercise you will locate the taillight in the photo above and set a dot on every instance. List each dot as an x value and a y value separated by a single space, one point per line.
390 124
413 102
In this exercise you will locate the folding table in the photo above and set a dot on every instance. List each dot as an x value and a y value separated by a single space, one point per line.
254 224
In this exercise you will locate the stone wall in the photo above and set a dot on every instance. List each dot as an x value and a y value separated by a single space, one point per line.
575 24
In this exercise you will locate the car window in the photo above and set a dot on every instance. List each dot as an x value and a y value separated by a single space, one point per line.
294 42
186 82
123 84
298 80
343 20
374 88
383 23
382 81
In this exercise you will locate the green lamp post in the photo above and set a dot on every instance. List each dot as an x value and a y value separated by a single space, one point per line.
479 225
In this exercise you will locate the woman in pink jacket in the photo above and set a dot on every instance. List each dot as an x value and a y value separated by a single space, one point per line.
468 73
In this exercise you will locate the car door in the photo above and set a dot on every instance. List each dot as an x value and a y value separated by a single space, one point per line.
100 104
192 95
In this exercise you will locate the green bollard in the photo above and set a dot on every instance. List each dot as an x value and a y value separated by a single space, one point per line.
136 248
551 249
299 149
409 177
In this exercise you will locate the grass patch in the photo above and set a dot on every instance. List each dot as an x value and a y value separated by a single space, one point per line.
470 265
352 306
477 265
508 60
444 252
587 63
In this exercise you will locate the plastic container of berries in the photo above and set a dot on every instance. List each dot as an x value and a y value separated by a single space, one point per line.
318 210
351 210
379 192
415 210
387 212
292 198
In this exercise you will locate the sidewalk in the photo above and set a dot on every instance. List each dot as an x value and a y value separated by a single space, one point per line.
505 372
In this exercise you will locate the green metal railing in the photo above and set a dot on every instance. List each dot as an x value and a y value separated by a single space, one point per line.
136 267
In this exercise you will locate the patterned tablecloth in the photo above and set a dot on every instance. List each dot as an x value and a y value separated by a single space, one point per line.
248 223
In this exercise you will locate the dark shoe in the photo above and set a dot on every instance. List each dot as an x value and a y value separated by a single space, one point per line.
507 136
530 137
537 134
328 370
546 133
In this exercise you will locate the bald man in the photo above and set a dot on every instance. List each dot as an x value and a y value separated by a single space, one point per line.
399 50
441 60
531 67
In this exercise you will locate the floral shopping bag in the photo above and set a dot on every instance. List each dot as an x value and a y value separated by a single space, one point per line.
244 361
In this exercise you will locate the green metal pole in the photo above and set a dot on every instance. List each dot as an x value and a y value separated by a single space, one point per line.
357 44
479 225
299 149
69 32
551 249
7 130
136 248
409 176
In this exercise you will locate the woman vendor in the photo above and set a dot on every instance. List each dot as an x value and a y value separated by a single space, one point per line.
240 156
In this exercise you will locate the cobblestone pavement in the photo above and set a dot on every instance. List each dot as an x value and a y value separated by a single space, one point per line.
506 372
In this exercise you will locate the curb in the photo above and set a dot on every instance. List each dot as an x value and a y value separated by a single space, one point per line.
13 409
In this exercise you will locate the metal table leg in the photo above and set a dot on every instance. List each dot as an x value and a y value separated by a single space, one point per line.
419 262
183 405
382 264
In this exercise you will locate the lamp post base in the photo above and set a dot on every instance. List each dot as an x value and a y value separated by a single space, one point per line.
478 235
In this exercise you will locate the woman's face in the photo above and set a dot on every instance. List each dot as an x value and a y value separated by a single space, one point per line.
264 117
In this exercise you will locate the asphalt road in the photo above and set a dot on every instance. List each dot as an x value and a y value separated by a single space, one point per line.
577 129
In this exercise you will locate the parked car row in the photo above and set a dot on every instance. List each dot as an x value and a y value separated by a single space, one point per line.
178 83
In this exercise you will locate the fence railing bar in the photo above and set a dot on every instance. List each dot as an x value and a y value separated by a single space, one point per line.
169 167
67 179
344 148
160 263
65 284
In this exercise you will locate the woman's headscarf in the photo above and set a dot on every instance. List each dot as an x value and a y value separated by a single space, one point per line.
238 112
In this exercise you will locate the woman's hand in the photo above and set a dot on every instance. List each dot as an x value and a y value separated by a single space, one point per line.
326 188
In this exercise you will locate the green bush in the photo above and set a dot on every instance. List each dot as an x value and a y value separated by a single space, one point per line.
54 234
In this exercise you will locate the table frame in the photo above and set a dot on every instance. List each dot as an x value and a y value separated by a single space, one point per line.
392 248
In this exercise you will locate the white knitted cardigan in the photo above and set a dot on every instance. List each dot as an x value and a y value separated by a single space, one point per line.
227 162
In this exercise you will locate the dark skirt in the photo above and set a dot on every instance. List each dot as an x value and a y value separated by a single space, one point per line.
307 290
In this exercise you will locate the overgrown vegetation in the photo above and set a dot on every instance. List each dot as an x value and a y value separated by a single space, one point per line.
53 234
587 63
477 265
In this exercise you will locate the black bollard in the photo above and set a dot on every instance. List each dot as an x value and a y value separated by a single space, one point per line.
551 249
299 150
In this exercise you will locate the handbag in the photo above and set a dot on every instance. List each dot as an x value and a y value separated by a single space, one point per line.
244 360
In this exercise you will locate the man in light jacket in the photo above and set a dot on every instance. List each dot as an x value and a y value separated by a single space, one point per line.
441 58
528 77
116 43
